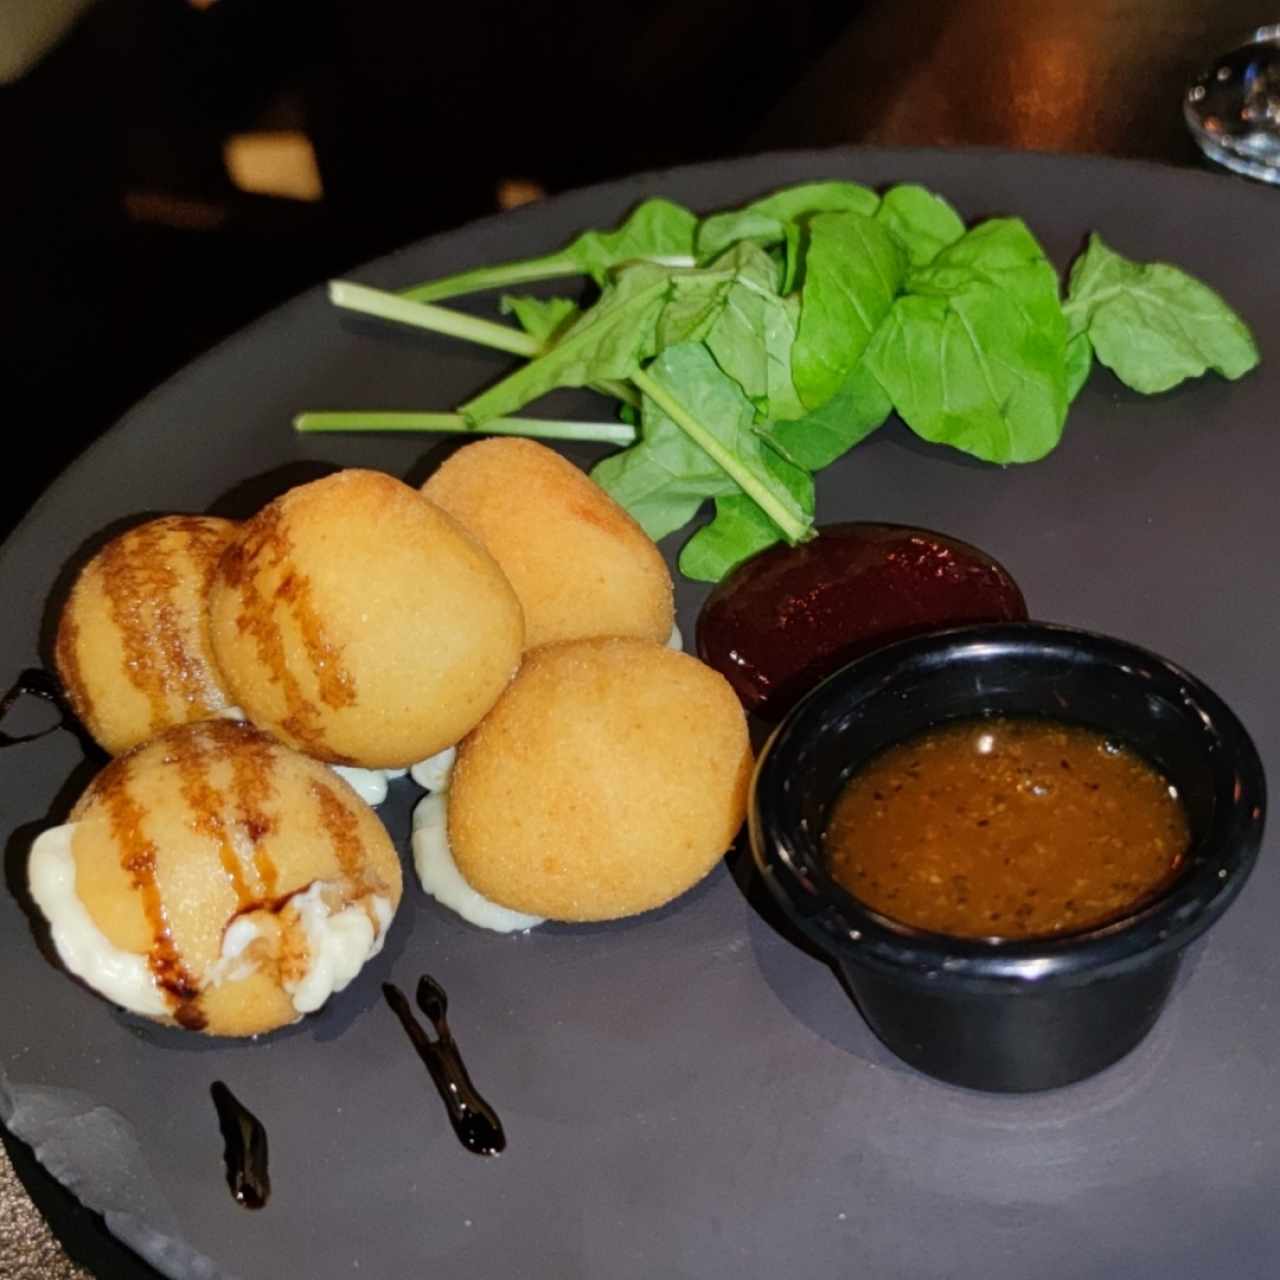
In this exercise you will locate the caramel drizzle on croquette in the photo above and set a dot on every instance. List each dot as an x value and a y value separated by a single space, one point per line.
252 758
66 657
343 830
140 582
138 858
264 549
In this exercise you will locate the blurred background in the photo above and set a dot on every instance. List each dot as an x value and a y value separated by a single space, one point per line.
173 168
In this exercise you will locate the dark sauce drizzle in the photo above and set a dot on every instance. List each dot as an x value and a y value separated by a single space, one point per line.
36 683
474 1121
246 1149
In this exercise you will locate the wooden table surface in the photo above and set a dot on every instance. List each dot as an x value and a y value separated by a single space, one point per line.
1103 76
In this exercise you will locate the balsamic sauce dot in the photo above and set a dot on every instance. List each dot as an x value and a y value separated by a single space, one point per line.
245 1151
474 1121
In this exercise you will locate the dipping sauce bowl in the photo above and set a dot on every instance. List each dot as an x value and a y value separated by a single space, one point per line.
1008 1016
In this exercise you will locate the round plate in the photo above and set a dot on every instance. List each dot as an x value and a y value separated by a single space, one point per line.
688 1094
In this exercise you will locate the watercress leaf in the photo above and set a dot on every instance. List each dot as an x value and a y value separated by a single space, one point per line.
818 439
543 318
922 223
653 487
1152 324
1001 252
1079 360
608 340
752 342
739 455
655 229
766 221
751 264
695 302
831 196
699 295
853 270
664 478
792 245
754 332
740 528
970 371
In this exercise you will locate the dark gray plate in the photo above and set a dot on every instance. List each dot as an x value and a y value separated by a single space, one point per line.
688 1095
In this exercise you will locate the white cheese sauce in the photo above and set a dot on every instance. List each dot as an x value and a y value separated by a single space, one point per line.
124 977
232 964
439 875
340 942
432 774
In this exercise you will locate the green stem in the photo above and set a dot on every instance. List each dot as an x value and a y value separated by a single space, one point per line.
548 268
553 267
454 324
539 428
779 507
619 390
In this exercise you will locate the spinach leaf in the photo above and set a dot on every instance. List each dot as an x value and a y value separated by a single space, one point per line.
655 229
1079 364
971 372
694 304
922 223
767 221
755 331
609 340
1152 324
546 319
1002 253
663 479
740 528
818 439
853 270
996 383
543 318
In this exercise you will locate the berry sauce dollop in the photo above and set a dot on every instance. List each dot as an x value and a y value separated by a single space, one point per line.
787 618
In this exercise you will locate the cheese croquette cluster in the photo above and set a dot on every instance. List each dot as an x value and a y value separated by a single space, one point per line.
221 874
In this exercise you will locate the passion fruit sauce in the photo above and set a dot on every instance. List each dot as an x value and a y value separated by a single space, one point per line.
787 618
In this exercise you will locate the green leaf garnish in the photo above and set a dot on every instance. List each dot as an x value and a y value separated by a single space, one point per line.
1152 324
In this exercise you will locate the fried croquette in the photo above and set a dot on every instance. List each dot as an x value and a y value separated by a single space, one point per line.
218 880
579 563
133 649
361 624
607 780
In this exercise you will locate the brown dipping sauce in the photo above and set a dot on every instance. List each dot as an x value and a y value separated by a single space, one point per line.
1002 828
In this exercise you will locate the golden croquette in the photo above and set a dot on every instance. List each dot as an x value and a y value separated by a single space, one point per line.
361 624
579 563
133 649
607 780
212 825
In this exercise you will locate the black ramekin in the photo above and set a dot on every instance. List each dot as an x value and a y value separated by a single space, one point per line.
1025 1015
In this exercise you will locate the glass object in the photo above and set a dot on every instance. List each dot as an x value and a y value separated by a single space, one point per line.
1233 107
